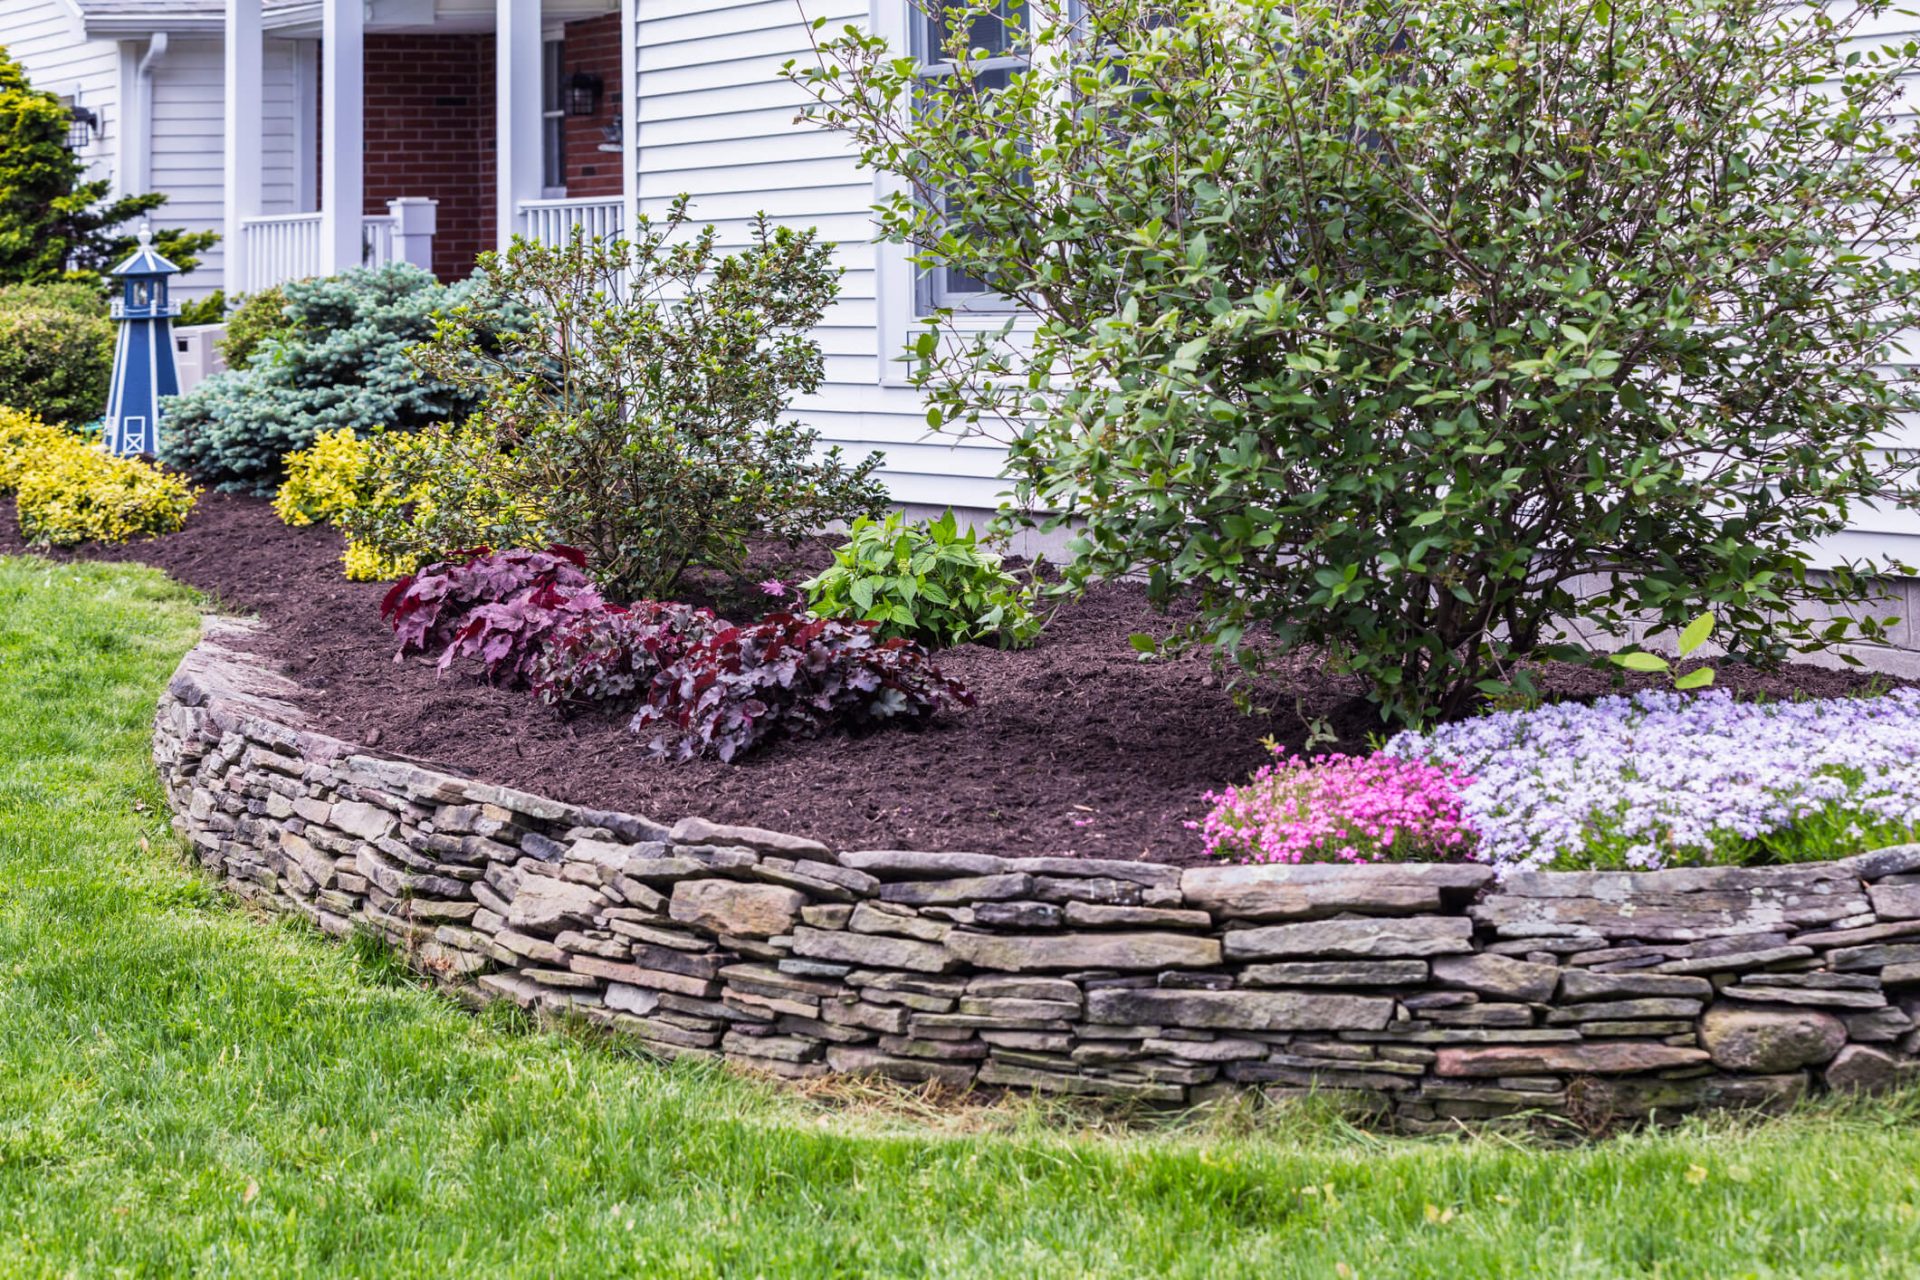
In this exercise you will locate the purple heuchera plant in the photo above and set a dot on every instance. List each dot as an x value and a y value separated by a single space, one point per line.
1338 808
427 608
613 655
789 676
1671 775
498 607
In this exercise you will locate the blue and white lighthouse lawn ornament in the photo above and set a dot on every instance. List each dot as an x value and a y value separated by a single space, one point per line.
143 370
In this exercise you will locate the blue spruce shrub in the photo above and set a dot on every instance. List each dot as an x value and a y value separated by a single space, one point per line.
341 362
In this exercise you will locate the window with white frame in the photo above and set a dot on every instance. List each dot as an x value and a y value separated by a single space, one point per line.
1002 36
553 119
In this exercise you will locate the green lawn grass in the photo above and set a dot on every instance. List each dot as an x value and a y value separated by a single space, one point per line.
187 1088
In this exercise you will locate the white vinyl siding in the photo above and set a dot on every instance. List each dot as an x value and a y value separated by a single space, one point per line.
714 120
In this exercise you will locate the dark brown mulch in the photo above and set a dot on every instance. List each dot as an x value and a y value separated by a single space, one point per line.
1075 748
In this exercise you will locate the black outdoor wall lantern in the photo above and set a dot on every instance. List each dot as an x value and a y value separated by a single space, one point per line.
83 126
583 93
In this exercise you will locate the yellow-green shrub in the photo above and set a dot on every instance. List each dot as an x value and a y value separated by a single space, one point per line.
429 493
23 438
367 564
324 481
77 492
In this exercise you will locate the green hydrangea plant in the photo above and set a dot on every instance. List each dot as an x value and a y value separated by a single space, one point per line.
927 581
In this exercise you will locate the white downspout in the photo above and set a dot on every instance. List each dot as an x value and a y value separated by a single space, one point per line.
139 153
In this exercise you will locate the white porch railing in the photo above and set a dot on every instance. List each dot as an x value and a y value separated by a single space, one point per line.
279 248
551 222
286 246
376 241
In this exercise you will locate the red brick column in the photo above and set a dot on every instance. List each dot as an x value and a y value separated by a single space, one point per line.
430 132
593 46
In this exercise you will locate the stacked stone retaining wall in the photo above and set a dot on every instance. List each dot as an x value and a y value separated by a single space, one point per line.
1429 991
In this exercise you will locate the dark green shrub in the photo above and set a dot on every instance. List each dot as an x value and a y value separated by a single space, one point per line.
1422 335
642 421
342 361
259 316
211 309
77 296
56 360
926 581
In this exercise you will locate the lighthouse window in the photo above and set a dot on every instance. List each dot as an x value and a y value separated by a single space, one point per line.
142 294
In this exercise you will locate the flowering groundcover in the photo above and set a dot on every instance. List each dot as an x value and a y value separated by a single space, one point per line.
1337 808
1663 779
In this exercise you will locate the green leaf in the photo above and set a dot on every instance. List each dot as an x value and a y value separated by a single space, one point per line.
1696 633
1698 678
1143 643
1639 661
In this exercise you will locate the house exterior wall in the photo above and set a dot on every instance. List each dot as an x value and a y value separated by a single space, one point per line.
593 46
187 152
46 39
714 120
429 132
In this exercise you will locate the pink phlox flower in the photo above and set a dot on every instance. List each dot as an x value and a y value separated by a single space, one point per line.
1335 807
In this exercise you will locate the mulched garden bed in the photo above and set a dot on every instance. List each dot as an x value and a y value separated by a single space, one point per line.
1076 747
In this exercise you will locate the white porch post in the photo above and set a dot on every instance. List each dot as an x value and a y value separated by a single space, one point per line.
242 170
342 184
516 39
629 119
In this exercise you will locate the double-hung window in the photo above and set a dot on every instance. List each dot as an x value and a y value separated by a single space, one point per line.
1003 36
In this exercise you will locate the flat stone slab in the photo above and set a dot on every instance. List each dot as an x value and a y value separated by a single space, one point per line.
1612 1057
1336 973
1312 890
1364 939
1240 1010
901 864
1701 902
1498 976
1066 951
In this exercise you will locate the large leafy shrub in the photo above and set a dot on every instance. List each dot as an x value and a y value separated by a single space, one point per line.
77 296
56 355
789 677
1422 334
640 410
926 581
67 490
613 655
342 361
54 225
